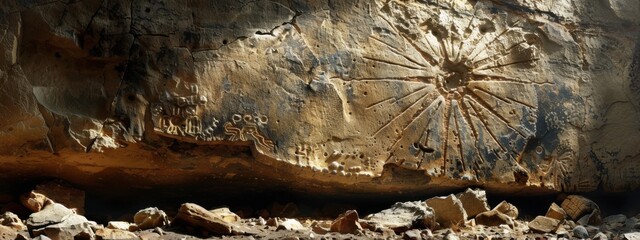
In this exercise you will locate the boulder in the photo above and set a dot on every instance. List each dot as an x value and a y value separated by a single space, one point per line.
556 212
13 221
493 218
64 194
508 209
448 210
544 224
114 234
150 218
346 223
51 214
594 218
403 216
72 227
195 216
34 201
577 206
474 201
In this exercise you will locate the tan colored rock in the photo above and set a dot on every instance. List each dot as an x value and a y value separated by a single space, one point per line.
34 201
474 201
556 212
403 216
13 221
59 192
290 224
150 218
448 210
127 226
346 223
7 233
508 209
544 224
493 218
577 206
196 216
114 234
226 215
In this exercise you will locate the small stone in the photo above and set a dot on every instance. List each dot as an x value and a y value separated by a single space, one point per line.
580 232
226 215
13 221
114 234
51 214
119 225
149 236
508 209
631 236
260 221
7 233
34 201
493 218
290 225
196 216
577 206
346 223
600 236
450 235
474 201
150 218
448 210
544 224
556 212
402 216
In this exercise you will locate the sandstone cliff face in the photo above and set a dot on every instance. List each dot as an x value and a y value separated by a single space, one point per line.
364 96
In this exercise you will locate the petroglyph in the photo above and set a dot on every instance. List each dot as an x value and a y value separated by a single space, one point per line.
472 104
247 128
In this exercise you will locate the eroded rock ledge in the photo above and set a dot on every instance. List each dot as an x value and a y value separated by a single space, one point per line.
362 96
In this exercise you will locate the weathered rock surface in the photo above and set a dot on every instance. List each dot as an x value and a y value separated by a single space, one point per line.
493 218
196 216
448 210
51 214
348 222
150 218
507 208
474 201
12 220
360 95
402 216
544 224
577 206
556 212
114 234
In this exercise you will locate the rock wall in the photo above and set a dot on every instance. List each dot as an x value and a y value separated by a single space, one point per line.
324 96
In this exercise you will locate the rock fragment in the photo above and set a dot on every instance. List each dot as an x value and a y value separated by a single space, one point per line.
544 224
114 234
615 221
631 236
12 220
448 210
73 227
226 215
193 215
290 225
556 212
121 225
577 206
346 223
34 201
493 218
7 233
508 209
600 236
403 216
474 201
592 218
150 218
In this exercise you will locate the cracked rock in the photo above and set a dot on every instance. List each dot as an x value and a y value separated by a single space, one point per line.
403 216
448 210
